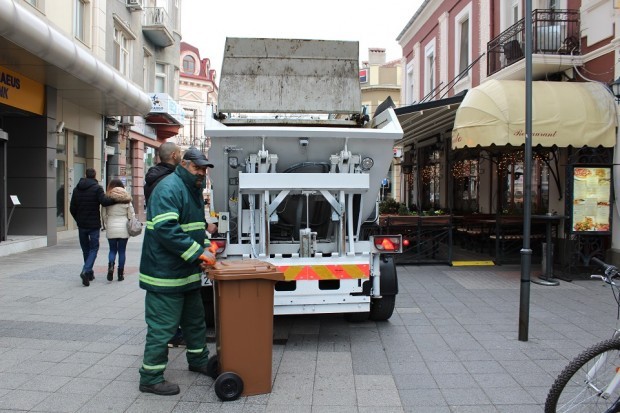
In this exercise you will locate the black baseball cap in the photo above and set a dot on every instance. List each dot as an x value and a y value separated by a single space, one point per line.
199 158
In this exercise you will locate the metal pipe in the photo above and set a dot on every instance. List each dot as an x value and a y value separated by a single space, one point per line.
526 252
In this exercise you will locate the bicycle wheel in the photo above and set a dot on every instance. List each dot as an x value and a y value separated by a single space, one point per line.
580 385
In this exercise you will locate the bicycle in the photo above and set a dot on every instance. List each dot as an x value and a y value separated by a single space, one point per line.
591 381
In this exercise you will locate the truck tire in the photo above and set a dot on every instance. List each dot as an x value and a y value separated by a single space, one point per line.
381 309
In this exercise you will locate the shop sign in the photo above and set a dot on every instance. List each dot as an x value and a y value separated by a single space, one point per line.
363 75
20 92
163 103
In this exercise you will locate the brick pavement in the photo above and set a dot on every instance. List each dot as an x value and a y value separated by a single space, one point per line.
451 345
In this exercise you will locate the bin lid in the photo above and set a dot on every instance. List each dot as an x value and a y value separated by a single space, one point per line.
244 270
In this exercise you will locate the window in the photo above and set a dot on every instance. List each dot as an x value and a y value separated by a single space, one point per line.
409 91
464 46
429 70
189 64
80 20
160 78
146 69
79 146
121 51
462 40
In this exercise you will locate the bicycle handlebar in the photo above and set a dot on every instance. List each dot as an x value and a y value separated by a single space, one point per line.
610 270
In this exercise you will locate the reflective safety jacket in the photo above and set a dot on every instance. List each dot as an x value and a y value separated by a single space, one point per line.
175 235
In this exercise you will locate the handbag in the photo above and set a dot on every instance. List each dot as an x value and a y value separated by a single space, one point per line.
134 227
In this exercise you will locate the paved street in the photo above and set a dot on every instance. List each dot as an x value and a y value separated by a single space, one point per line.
451 346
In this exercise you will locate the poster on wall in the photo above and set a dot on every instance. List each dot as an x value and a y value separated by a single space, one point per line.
591 206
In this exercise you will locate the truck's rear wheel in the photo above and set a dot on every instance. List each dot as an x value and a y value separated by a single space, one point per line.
381 309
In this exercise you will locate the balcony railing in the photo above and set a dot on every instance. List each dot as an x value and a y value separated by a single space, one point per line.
157 26
554 32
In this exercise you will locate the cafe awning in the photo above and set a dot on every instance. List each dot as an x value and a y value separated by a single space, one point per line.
563 114
424 120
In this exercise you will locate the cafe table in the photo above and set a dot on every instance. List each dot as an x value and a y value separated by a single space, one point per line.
549 219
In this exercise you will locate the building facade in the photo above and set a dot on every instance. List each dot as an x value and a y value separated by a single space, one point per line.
380 80
198 94
93 85
454 51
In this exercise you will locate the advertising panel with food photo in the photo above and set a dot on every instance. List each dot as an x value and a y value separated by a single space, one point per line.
591 204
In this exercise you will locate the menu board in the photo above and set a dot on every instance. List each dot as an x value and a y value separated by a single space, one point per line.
591 208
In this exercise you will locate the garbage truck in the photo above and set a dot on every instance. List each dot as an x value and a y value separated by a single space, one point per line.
297 172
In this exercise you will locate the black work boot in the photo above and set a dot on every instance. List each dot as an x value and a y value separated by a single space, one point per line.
91 275
165 388
121 273
110 271
85 280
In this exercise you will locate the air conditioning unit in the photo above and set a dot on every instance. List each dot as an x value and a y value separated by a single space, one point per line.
134 4
127 121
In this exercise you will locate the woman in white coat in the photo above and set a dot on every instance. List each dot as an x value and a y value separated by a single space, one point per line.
115 218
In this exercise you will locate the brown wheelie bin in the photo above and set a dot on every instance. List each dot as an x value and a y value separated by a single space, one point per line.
243 291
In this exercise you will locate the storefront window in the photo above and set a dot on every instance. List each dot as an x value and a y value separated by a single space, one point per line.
149 157
513 183
79 146
466 180
431 176
61 194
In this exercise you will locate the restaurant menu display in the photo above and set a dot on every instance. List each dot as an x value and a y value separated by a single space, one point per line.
591 199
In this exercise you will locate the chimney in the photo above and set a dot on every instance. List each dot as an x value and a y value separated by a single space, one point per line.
376 56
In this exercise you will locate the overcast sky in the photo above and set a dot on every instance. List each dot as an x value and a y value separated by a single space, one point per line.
206 24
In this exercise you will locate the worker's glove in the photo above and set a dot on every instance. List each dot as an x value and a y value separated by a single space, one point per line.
207 257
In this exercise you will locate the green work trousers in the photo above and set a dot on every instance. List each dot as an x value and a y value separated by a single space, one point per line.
164 313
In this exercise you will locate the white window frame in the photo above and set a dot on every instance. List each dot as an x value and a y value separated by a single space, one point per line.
429 69
121 51
81 21
161 76
465 14
409 84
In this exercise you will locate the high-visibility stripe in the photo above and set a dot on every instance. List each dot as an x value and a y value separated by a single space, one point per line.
192 350
165 217
169 282
325 272
191 251
192 226
158 367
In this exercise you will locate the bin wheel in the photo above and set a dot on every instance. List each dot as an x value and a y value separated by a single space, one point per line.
228 386
213 366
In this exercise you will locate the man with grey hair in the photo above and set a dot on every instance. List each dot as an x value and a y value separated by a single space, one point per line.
169 157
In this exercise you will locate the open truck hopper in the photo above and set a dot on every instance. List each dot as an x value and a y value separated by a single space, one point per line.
297 173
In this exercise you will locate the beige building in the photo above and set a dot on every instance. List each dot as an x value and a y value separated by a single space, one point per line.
379 81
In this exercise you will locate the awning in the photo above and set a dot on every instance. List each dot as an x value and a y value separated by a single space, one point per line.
563 114
428 119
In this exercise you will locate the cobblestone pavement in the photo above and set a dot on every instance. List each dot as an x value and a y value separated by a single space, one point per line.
451 345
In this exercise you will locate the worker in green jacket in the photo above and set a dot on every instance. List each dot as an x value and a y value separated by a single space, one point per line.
170 271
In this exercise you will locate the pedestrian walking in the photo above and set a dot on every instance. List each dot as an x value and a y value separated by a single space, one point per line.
86 200
115 219
170 271
169 156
